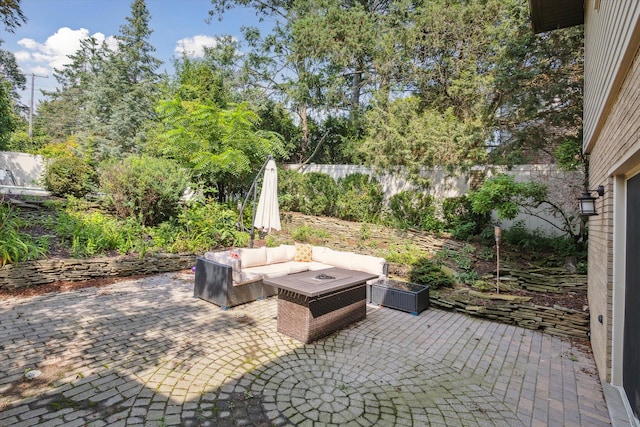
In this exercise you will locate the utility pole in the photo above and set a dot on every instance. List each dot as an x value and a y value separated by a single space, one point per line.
33 77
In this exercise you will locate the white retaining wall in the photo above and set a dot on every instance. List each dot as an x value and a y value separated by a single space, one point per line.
27 169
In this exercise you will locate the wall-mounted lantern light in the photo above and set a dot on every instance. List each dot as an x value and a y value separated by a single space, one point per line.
588 202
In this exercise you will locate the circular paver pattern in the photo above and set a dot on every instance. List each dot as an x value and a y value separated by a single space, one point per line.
339 390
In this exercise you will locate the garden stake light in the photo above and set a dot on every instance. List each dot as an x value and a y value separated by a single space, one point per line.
498 234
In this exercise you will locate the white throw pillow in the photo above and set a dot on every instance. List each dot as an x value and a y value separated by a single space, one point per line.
253 257
277 255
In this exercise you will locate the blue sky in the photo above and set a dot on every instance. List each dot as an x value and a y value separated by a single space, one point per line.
54 29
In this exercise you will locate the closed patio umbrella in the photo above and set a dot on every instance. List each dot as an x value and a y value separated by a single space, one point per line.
267 215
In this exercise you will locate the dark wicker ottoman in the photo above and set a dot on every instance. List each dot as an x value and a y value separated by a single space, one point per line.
307 319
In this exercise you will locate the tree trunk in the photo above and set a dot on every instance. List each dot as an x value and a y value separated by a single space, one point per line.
304 127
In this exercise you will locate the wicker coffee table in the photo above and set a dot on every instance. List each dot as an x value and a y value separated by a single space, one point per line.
314 304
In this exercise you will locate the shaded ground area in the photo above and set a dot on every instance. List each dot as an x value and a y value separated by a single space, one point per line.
145 352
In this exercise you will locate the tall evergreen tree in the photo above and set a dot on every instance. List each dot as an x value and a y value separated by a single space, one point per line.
125 93
67 111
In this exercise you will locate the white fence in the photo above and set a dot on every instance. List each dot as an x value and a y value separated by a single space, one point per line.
564 187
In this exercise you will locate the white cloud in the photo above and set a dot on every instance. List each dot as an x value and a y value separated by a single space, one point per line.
53 53
22 56
40 71
194 46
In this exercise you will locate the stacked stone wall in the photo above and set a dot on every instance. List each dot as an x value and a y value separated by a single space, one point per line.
32 273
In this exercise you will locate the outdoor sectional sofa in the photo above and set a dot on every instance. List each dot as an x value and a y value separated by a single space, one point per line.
232 277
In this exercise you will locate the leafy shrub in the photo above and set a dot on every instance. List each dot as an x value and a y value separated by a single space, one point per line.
319 194
506 196
15 245
460 219
146 188
290 189
199 227
414 209
407 253
426 272
360 198
535 242
196 229
310 234
69 175
91 232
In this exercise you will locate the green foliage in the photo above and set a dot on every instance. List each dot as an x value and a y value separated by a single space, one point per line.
11 15
360 198
55 150
15 244
319 194
90 233
569 154
506 196
404 135
144 188
414 209
223 148
198 228
406 253
290 189
426 272
536 242
460 219
69 175
461 259
8 118
309 234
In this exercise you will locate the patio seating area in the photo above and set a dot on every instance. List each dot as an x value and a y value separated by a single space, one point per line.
147 352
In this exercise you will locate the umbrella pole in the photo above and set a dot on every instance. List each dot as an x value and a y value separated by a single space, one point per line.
253 214
254 186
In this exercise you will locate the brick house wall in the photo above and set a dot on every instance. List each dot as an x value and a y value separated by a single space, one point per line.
614 158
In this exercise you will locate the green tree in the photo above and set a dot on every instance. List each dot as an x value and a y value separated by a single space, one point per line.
11 73
538 93
222 147
108 97
508 198
145 188
127 88
11 14
8 118
11 80
277 68
405 138
67 111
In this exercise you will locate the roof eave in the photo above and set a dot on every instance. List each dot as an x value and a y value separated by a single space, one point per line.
549 15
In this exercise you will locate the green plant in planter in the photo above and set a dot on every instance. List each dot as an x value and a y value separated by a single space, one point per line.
426 272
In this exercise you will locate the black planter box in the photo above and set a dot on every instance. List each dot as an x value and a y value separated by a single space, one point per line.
399 295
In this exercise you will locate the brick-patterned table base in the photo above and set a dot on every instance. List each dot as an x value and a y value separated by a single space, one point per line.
307 319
